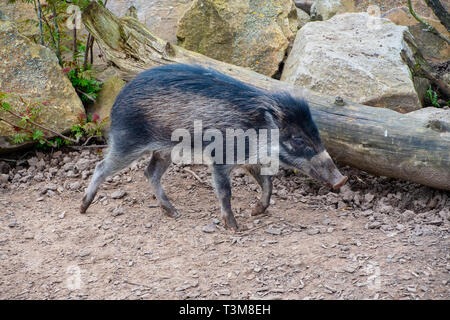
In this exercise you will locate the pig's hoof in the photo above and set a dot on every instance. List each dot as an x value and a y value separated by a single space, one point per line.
230 224
84 206
258 209
170 212
175 214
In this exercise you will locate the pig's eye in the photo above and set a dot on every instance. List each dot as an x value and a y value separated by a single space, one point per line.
298 141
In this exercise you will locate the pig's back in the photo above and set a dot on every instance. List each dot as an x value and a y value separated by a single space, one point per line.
173 96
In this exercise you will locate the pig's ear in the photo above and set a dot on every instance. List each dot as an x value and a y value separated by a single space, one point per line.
271 123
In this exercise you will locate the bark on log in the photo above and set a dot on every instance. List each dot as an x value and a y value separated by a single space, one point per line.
379 141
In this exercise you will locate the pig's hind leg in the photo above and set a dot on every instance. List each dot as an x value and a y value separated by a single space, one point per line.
222 186
265 182
159 163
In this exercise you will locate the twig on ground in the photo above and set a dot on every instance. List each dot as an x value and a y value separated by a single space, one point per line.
87 140
194 174
94 146
138 284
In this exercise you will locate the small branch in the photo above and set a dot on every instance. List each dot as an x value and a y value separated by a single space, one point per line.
42 127
88 139
12 125
86 52
138 284
75 51
94 146
85 94
194 174
52 37
38 8
429 27
92 51
27 130
88 49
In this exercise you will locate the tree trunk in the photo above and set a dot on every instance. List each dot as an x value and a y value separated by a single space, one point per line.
376 140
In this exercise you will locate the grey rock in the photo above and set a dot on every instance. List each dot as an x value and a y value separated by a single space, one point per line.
84 253
118 194
85 174
312 232
374 225
69 167
75 185
347 193
83 164
39 177
273 230
118 211
368 198
13 224
210 228
4 178
224 292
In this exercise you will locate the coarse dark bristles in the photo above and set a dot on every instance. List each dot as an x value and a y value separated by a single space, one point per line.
213 84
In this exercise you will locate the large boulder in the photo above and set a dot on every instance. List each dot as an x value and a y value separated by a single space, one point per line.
433 48
253 34
303 18
160 16
24 15
32 71
106 98
356 56
325 9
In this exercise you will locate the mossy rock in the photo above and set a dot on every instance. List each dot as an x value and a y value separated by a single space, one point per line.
249 33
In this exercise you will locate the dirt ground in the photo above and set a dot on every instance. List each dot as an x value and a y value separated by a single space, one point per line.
377 238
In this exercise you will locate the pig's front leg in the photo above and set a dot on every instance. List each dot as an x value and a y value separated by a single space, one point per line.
265 182
222 186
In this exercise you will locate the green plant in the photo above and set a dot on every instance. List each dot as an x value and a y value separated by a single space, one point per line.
89 126
83 82
52 17
433 97
24 117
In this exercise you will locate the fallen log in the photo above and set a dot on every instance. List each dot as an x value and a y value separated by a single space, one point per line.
376 140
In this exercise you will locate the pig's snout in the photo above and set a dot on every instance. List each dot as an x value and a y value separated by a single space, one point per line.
340 183
326 170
